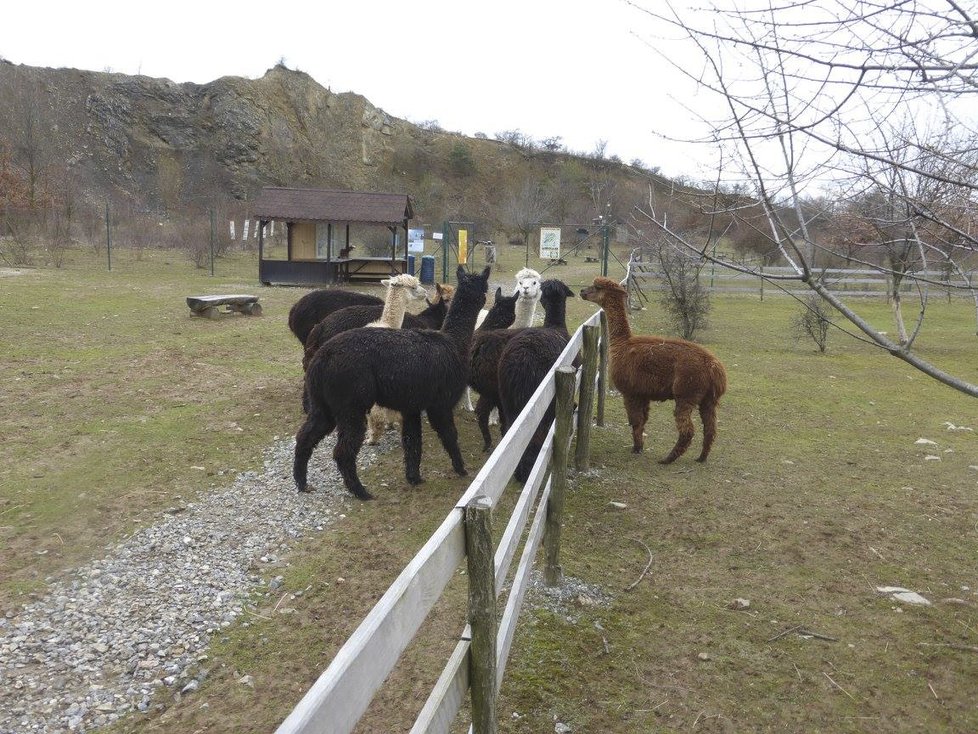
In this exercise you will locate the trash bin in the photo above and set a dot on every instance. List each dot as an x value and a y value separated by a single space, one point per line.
428 269
410 264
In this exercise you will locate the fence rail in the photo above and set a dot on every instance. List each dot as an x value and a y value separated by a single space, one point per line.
646 275
338 699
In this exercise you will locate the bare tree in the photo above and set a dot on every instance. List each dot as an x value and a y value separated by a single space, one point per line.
858 97
525 208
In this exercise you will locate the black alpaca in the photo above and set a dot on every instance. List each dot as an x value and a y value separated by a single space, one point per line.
525 361
406 370
316 305
488 346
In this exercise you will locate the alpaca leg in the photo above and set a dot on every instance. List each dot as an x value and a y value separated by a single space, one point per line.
316 427
444 424
482 410
684 424
637 410
708 414
349 439
411 443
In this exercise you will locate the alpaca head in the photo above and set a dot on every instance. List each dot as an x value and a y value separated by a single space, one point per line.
471 288
554 291
444 293
408 285
528 284
602 291
502 313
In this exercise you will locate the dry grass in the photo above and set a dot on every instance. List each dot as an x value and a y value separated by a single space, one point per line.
815 494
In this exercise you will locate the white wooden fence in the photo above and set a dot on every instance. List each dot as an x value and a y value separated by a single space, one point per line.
345 689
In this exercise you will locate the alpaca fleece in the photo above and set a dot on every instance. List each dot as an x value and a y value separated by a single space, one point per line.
316 305
524 363
647 368
406 370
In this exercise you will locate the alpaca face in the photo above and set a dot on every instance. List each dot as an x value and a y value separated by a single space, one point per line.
602 290
528 284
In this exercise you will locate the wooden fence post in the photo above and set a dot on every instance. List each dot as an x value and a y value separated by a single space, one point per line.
603 368
555 507
482 613
585 401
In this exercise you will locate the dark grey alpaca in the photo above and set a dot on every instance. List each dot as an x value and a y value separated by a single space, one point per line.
410 371
525 361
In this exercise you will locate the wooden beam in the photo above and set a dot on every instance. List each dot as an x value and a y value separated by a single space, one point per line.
585 401
555 508
482 614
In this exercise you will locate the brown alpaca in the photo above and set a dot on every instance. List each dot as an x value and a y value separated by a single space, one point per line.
646 368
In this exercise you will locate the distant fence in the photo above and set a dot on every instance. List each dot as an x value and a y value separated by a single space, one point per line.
343 692
647 276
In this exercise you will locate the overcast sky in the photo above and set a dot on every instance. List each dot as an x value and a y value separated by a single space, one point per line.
579 69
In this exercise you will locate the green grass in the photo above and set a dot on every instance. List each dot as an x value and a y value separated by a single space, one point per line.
815 494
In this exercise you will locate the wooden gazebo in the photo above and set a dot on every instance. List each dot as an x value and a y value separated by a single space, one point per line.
318 222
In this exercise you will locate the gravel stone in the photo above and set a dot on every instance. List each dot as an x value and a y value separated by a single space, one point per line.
112 634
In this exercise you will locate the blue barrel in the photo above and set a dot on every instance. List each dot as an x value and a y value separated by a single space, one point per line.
410 264
427 268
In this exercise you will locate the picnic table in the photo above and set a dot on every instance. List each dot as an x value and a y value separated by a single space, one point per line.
208 306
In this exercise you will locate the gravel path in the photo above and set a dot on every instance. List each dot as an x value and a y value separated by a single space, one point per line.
119 629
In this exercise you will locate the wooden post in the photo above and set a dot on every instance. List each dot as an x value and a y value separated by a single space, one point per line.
482 613
552 572
603 368
762 282
585 401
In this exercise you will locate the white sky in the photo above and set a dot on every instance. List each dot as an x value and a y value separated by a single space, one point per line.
569 68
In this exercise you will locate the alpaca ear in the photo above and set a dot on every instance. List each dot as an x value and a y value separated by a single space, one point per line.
499 294
386 282
460 272
485 273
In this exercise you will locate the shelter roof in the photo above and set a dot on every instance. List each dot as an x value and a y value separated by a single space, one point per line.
331 205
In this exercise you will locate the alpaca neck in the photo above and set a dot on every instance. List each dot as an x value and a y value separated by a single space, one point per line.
394 308
555 315
525 309
618 329
460 321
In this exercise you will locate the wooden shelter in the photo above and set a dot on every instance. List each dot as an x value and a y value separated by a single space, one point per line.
319 246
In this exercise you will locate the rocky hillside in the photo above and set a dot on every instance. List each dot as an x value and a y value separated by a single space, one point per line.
162 146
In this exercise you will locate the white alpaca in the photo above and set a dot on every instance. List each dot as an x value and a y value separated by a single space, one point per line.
400 290
528 292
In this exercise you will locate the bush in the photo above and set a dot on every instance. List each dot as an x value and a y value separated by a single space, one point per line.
685 298
814 321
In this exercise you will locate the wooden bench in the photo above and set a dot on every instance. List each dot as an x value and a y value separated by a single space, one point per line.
207 306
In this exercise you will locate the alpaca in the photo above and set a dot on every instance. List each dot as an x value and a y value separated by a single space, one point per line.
488 346
353 317
525 360
407 370
500 316
527 294
646 368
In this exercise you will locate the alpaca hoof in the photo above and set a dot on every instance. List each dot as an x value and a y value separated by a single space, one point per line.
701 460
306 489
363 495
415 481
461 472
667 460
636 449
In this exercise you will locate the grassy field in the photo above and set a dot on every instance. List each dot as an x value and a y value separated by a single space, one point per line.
815 494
